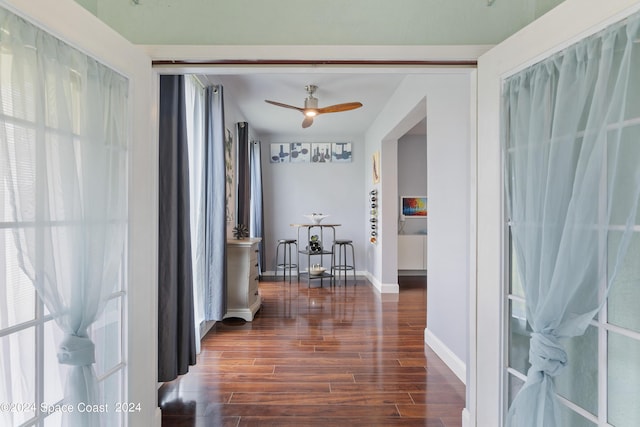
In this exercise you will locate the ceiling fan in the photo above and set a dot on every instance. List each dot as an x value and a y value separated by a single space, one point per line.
311 109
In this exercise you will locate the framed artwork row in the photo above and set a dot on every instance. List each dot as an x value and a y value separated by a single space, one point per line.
310 152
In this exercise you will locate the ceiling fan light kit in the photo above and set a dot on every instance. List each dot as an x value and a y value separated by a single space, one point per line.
311 109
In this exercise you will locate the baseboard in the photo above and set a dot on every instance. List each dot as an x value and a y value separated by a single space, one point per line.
205 327
466 418
375 282
158 420
448 357
272 274
383 288
390 288
412 272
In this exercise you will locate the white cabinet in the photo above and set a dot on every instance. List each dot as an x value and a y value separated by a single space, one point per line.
243 299
412 251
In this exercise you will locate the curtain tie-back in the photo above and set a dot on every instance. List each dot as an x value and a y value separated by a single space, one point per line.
76 351
546 355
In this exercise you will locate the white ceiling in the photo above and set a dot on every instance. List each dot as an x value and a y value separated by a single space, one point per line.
250 90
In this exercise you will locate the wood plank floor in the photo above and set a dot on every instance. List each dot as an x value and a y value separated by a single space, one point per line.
320 356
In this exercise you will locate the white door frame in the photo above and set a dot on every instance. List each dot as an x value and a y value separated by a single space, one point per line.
569 22
70 22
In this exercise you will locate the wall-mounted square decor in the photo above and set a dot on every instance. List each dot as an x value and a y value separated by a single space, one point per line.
310 152
300 152
341 152
320 152
279 152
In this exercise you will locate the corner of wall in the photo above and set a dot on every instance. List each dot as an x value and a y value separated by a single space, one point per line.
383 288
448 357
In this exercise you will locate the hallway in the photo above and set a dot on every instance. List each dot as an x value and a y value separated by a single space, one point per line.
319 356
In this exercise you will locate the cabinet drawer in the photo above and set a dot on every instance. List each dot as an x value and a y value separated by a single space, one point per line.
253 277
242 279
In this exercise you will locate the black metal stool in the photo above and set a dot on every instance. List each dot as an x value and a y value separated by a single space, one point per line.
339 259
287 262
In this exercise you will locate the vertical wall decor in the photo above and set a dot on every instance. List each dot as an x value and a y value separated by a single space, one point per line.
375 167
228 160
373 216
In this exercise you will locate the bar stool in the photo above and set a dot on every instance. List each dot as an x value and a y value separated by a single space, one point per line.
287 262
339 258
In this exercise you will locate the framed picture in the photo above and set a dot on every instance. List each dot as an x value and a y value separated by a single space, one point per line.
300 152
310 152
341 152
413 207
279 152
320 152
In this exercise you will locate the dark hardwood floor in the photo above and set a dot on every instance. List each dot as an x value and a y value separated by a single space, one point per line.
320 356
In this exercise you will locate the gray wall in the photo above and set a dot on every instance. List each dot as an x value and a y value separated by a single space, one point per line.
445 99
292 190
449 189
412 177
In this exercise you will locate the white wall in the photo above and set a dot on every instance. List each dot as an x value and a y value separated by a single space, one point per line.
448 184
445 97
292 190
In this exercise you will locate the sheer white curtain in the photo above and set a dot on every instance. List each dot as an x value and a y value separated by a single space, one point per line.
194 99
63 145
572 149
256 221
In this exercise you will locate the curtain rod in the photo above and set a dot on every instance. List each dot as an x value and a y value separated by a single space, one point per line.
452 63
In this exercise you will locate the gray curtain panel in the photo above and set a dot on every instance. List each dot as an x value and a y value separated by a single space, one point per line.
216 217
244 175
176 334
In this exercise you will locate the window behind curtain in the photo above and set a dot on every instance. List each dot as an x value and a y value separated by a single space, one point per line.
601 384
195 99
31 379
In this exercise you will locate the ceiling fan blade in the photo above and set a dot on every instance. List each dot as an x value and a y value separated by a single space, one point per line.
308 121
279 104
339 107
